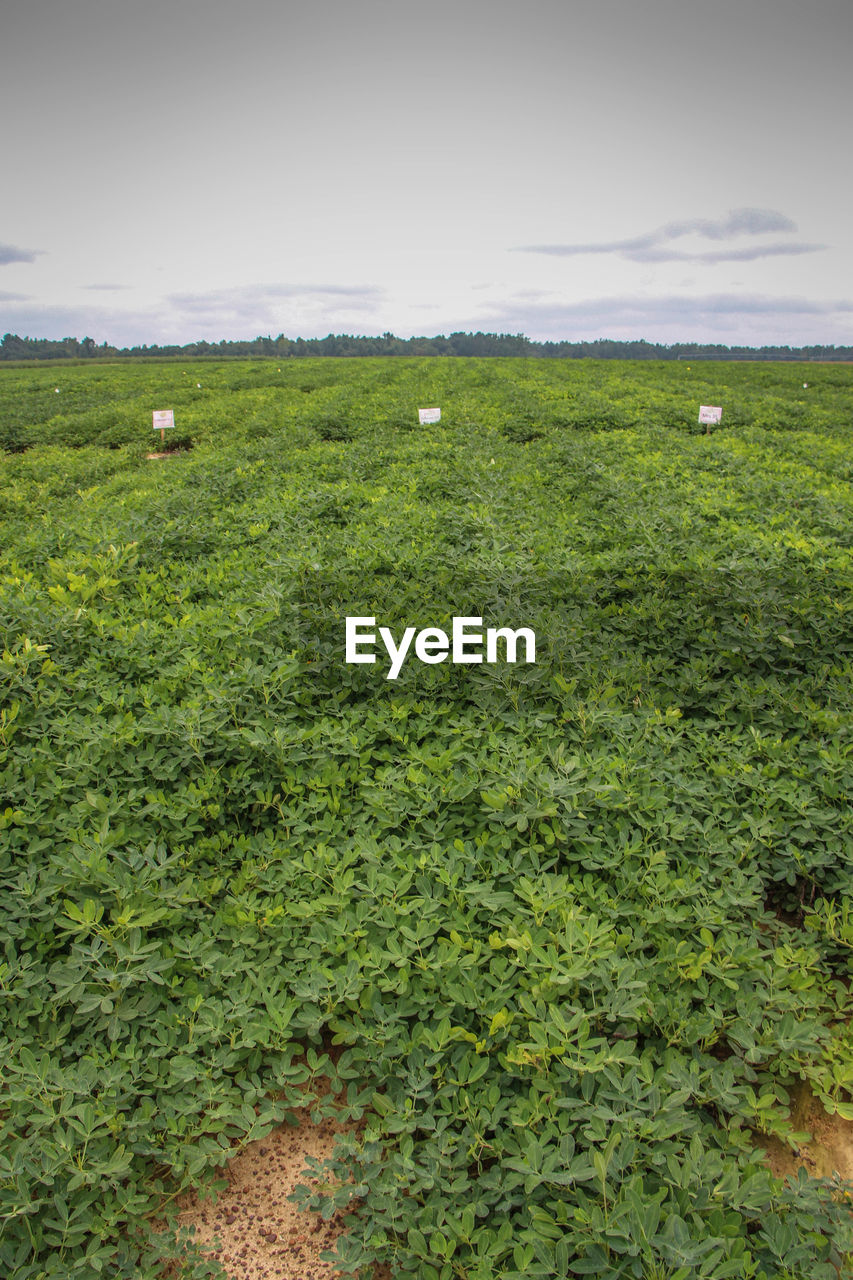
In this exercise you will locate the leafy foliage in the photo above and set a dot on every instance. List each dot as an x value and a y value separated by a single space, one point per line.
563 936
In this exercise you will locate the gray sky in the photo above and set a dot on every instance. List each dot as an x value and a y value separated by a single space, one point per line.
661 169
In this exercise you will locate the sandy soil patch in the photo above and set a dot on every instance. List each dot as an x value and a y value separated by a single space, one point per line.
252 1228
829 1151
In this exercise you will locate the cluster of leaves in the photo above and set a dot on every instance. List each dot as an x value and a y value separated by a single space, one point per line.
563 936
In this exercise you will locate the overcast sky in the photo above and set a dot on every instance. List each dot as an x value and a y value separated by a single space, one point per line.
662 169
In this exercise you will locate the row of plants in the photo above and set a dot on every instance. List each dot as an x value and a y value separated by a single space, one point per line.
110 405
563 936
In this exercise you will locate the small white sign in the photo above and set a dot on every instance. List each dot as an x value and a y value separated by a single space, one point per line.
710 413
429 415
163 418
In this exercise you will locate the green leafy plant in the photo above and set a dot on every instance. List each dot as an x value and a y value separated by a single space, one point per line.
563 937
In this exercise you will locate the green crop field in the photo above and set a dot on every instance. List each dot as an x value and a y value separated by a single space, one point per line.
564 935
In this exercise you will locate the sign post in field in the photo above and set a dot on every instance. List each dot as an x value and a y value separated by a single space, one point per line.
709 413
163 419
429 415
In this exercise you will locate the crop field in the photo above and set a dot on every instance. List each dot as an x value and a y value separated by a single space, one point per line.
563 936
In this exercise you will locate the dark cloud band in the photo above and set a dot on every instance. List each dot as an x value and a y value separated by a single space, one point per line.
9 254
653 246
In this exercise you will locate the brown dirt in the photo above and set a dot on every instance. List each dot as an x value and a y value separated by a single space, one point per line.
829 1151
252 1228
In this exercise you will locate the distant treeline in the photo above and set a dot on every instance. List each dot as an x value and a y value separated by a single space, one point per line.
458 344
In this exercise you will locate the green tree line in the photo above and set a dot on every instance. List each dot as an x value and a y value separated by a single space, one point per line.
14 347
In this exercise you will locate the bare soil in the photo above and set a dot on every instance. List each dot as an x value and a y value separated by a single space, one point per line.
829 1151
252 1228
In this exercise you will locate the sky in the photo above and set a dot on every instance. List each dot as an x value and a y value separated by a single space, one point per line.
178 170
